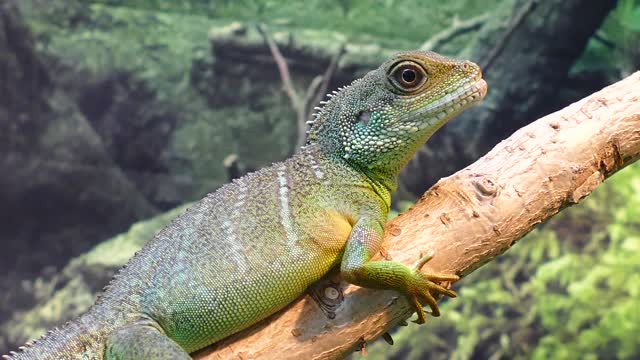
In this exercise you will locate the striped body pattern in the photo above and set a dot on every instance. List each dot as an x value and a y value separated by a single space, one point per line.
260 251
255 245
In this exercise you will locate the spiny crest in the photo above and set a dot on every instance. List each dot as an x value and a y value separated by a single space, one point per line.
118 274
23 350
320 113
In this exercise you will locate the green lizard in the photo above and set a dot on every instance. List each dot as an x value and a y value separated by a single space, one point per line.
255 245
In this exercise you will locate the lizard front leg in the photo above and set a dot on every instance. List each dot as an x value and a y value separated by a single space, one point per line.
364 242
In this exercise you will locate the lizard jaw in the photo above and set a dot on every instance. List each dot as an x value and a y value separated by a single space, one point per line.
453 104
444 109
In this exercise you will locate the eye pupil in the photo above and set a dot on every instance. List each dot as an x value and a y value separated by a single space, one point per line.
409 75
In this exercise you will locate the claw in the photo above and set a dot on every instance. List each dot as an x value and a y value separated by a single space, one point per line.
423 260
424 296
431 301
442 290
419 311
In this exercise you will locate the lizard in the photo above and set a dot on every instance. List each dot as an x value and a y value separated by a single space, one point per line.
256 244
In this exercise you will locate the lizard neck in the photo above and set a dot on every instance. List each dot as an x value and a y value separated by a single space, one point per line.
382 184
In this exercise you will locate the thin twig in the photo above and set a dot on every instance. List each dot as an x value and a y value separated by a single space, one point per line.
311 92
601 37
296 102
326 78
316 91
457 28
283 68
317 88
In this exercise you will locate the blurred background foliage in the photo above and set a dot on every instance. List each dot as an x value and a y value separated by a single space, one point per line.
615 47
166 90
359 20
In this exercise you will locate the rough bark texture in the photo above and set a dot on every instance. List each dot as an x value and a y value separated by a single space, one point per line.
530 63
467 219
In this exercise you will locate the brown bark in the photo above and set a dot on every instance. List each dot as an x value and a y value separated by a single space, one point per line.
468 219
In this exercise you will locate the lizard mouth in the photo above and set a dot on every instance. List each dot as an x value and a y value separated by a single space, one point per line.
457 100
445 108
482 86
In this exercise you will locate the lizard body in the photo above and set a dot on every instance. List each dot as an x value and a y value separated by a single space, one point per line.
256 244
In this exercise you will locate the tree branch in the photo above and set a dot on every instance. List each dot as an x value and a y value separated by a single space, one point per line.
468 219
457 28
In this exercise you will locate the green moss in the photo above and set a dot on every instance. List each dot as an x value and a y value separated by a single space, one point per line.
119 249
361 21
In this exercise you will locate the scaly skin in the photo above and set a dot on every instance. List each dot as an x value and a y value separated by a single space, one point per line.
247 250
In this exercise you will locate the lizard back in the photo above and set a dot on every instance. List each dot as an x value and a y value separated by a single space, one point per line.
245 251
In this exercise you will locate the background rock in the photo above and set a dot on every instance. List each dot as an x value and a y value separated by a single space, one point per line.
60 191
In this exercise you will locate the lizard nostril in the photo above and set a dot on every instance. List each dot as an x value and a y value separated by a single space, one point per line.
471 67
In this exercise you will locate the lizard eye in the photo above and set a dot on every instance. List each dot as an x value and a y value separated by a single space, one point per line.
407 76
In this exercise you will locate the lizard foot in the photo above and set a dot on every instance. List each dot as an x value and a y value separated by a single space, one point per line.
423 285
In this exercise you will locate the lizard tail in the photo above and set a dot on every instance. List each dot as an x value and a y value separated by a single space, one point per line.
77 339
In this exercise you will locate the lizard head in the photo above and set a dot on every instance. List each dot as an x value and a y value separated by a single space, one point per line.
379 121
